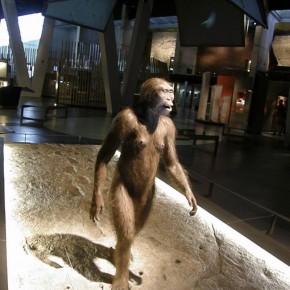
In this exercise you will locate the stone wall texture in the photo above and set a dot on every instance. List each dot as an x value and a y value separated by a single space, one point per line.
163 45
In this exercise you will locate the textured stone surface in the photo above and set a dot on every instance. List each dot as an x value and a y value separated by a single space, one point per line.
52 244
163 45
281 49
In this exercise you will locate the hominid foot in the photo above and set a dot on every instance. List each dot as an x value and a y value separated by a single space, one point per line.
121 285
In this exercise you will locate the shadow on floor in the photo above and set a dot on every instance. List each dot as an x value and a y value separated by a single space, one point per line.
75 251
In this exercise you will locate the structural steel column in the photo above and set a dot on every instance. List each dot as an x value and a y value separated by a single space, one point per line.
136 50
42 56
124 23
203 96
11 17
110 71
256 111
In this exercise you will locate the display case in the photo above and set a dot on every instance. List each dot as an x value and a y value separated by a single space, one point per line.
9 94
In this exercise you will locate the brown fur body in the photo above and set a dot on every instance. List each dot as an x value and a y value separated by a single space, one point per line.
144 135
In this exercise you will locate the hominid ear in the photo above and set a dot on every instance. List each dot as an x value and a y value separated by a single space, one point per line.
153 96
147 98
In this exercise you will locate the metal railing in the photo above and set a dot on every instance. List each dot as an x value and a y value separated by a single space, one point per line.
35 138
213 184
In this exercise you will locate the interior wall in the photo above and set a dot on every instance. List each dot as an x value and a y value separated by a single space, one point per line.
163 45
281 44
63 32
88 36
219 59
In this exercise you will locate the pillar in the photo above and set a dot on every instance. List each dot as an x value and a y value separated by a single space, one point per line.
110 71
203 96
11 17
185 58
256 112
136 50
262 45
122 41
42 56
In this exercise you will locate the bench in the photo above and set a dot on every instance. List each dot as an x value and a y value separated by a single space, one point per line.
236 129
212 123
40 112
214 138
189 134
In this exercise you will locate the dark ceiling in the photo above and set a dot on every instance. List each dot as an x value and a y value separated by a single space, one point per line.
160 7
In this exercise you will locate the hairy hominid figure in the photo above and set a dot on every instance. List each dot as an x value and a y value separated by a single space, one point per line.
145 135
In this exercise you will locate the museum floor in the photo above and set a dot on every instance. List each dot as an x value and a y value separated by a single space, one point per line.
248 175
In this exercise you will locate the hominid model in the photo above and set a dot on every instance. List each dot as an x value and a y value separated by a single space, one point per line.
145 134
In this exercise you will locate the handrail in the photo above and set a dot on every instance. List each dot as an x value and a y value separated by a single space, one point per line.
274 213
78 139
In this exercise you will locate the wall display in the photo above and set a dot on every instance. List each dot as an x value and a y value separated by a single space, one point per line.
281 45
210 23
223 59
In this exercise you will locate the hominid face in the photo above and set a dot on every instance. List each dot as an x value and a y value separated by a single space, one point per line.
163 99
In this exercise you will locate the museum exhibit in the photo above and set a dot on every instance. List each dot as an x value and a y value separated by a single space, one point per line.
111 107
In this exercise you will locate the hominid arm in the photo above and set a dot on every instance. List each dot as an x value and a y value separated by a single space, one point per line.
173 167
